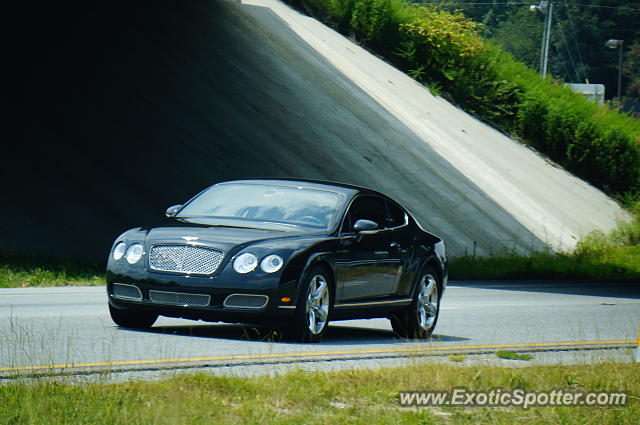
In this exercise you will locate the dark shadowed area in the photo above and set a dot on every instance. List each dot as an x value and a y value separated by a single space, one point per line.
130 107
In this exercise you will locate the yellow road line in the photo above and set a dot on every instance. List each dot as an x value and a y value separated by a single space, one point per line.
312 354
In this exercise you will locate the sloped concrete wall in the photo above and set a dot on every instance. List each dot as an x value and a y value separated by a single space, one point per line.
132 107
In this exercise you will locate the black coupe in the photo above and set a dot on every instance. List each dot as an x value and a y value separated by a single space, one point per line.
296 253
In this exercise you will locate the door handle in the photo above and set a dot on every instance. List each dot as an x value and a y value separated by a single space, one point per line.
394 245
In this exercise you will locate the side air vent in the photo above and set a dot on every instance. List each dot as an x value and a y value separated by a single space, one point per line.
246 301
126 292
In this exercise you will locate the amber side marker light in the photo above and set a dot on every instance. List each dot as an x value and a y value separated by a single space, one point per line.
285 299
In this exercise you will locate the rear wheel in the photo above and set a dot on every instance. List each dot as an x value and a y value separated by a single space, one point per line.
132 319
419 320
314 304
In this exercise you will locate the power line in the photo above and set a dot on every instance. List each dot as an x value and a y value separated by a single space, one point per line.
564 63
489 4
605 7
473 3
575 40
566 46
580 28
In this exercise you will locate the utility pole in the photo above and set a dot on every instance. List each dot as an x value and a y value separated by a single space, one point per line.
546 7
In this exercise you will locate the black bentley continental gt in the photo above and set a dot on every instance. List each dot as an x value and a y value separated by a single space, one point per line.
286 253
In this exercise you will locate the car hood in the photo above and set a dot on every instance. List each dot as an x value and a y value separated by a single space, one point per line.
222 238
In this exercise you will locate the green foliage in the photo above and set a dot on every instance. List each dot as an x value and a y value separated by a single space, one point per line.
598 256
512 355
577 50
27 272
444 49
519 34
631 69
372 19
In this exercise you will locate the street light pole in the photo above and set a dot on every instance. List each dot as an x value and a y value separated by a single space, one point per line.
546 7
612 44
547 36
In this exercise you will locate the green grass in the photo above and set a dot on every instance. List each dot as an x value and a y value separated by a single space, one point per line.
598 256
512 355
345 397
18 272
457 358
618 263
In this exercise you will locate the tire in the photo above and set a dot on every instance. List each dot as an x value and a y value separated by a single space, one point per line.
132 319
419 320
315 301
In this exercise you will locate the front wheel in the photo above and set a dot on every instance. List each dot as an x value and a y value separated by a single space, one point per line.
419 320
132 319
312 312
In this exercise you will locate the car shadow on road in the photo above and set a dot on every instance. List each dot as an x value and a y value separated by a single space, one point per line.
335 335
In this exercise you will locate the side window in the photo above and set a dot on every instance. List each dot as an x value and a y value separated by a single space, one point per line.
347 226
396 215
368 208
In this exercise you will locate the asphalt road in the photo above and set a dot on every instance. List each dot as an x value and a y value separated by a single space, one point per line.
71 326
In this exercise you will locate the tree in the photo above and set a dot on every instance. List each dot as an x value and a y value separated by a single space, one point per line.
519 33
631 69
578 37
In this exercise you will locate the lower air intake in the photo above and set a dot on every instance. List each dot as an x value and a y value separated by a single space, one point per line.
246 301
126 292
179 298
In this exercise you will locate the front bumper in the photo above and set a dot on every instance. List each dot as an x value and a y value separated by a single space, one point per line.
202 298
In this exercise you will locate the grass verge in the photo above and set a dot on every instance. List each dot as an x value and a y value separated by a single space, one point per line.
598 256
619 263
353 397
512 355
20 272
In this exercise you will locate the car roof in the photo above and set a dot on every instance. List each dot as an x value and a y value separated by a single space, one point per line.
347 189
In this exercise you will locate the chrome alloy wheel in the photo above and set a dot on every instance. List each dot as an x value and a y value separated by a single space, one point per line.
317 306
427 302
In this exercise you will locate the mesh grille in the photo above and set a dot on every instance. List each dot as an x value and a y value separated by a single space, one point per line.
185 259
120 290
246 301
179 298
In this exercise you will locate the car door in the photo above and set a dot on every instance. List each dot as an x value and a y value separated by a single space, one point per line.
401 245
368 266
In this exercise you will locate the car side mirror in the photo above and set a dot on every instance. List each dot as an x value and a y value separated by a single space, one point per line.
172 211
366 227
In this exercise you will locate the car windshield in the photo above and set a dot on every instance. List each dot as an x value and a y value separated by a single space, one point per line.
232 203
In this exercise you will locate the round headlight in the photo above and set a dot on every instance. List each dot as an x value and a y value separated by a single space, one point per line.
271 263
244 263
118 251
134 253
